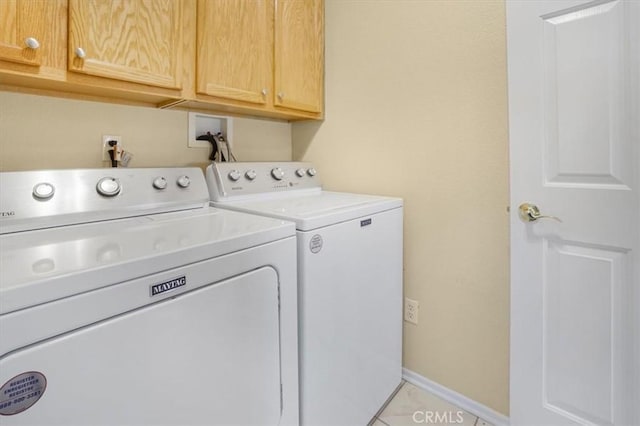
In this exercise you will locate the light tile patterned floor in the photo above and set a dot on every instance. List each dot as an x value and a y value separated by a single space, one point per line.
413 406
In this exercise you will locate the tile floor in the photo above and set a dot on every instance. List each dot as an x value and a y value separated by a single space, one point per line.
414 406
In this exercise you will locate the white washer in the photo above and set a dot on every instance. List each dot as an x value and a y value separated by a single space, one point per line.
349 284
126 300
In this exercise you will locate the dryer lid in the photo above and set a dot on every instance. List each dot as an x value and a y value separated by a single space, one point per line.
48 264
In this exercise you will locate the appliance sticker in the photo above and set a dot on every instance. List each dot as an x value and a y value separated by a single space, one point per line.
315 244
156 289
21 392
365 222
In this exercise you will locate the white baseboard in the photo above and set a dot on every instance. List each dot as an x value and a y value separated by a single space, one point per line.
456 398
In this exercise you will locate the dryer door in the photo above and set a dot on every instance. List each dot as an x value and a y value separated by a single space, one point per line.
207 357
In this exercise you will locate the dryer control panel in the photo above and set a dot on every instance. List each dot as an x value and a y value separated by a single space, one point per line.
235 180
49 198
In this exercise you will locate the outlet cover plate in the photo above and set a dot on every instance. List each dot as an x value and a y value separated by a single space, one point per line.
411 308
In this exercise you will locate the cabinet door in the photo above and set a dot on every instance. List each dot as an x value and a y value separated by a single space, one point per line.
234 45
299 54
131 40
21 31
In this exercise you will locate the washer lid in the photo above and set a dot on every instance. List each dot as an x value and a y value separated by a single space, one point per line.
315 210
48 264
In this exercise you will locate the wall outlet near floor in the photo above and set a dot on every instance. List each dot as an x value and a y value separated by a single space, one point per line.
106 147
411 308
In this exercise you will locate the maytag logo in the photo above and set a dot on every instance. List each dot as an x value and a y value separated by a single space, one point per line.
365 222
7 214
157 289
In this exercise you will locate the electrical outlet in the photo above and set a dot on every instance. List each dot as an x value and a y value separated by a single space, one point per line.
411 308
106 147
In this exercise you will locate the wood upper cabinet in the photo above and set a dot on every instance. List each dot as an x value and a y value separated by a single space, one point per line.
269 53
234 45
299 54
247 57
131 40
21 31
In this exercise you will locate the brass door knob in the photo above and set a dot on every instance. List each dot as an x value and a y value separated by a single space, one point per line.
530 213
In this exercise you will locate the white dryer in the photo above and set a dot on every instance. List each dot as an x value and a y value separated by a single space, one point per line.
126 300
349 284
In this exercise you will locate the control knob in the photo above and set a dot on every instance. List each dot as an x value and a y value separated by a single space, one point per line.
183 181
251 174
277 173
311 172
160 183
43 191
234 175
108 187
301 172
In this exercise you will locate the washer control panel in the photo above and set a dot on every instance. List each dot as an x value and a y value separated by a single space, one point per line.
237 179
39 199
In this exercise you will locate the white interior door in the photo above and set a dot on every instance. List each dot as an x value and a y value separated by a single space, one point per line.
574 114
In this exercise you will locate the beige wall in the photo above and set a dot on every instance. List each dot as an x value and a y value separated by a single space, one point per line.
38 132
416 107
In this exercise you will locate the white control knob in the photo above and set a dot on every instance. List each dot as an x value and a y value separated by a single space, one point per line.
234 175
108 187
183 181
251 174
43 191
32 43
301 172
311 172
277 173
160 183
